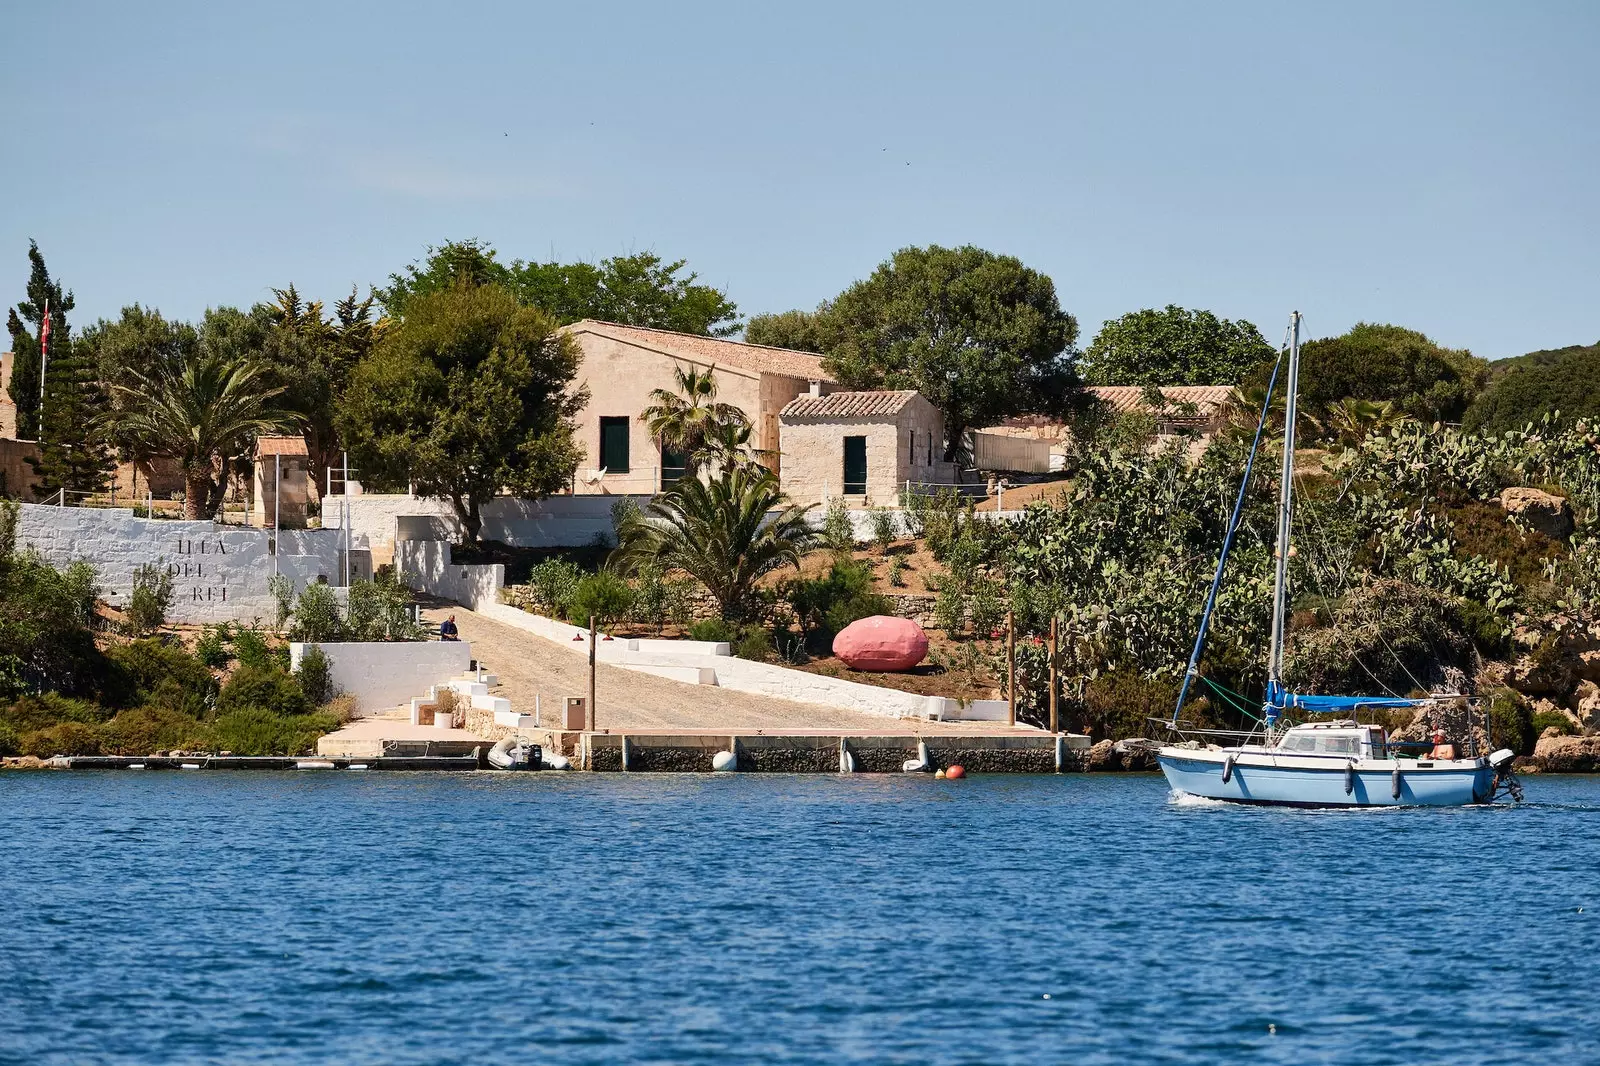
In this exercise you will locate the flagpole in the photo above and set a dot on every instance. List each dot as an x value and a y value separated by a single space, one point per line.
44 356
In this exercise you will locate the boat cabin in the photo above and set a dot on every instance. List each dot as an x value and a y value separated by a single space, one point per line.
1348 739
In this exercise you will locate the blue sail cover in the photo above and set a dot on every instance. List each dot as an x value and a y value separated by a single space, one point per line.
1279 700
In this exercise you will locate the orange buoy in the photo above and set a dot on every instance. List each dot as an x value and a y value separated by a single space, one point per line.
955 772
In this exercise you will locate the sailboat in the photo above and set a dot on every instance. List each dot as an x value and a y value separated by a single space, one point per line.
1338 763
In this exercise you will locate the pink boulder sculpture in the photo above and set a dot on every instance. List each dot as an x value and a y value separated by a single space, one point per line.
881 643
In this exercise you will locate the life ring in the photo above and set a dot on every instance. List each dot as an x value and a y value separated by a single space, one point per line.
1227 769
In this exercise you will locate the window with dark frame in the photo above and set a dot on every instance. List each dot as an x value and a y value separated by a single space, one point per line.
614 443
855 466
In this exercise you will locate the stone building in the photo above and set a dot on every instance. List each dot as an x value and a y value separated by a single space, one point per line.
280 489
863 446
622 365
1198 409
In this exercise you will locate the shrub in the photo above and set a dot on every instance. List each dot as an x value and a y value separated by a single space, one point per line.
604 595
212 647
150 598
254 731
838 532
49 709
1510 723
755 644
315 676
552 584
824 605
145 666
10 743
712 629
316 616
65 738
897 571
986 608
282 589
950 611
145 730
267 688
1551 720
1119 705
251 648
883 528
380 610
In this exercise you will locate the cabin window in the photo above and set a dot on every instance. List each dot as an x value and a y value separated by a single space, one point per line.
1343 745
614 443
855 466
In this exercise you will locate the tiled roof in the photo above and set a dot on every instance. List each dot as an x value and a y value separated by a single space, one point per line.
281 446
711 351
1126 398
875 404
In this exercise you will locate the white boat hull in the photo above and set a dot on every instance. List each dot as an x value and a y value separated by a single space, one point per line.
1266 777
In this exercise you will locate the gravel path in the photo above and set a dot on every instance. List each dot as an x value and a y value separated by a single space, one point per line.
628 700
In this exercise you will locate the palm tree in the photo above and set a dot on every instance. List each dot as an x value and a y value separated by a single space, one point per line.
1350 420
204 409
719 531
684 420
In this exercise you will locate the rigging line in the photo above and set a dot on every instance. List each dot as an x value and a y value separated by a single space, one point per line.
1328 606
1227 542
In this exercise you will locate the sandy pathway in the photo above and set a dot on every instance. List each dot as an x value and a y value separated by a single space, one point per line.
628 700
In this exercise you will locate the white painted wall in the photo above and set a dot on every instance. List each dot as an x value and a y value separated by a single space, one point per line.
557 522
383 676
219 572
425 565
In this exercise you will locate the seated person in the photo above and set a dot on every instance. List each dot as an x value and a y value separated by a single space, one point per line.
447 629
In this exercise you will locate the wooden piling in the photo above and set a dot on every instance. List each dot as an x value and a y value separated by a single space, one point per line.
593 715
1011 668
1055 724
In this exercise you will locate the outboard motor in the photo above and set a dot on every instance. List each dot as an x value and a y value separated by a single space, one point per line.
1505 782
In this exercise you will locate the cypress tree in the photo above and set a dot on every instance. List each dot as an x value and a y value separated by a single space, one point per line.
23 322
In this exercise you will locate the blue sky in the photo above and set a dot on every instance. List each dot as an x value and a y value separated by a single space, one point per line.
1429 164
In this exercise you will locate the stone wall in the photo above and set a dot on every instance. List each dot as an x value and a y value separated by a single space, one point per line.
425 565
556 522
813 455
16 476
382 676
220 573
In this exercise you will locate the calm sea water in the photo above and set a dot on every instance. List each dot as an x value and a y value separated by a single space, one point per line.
417 918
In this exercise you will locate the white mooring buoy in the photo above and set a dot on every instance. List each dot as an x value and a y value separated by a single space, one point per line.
724 762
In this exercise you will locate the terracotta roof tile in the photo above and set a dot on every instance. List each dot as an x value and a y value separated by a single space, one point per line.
281 446
1125 398
875 404
711 351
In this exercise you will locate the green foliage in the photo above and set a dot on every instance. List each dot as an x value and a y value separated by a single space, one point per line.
144 668
689 420
145 730
1544 720
979 334
316 617
825 605
315 676
897 571
553 584
883 528
755 644
604 595
31 713
637 290
656 600
1527 389
46 621
1399 636
1118 705
1510 721
715 630
950 610
942 516
380 609
64 738
838 532
251 648
256 731
470 394
800 331
282 589
212 647
150 598
986 608
265 688
1175 346
725 532
1374 362
24 322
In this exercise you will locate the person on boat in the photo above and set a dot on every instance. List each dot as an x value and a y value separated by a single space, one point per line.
447 629
1441 748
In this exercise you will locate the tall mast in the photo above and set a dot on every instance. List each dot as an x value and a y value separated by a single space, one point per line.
1280 581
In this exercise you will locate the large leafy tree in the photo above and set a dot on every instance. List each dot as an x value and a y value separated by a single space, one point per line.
803 331
637 290
468 395
140 341
1174 346
1525 389
23 322
1377 362
725 532
980 335
313 355
203 412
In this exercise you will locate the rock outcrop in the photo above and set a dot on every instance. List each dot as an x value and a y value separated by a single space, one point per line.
1547 513
1568 755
